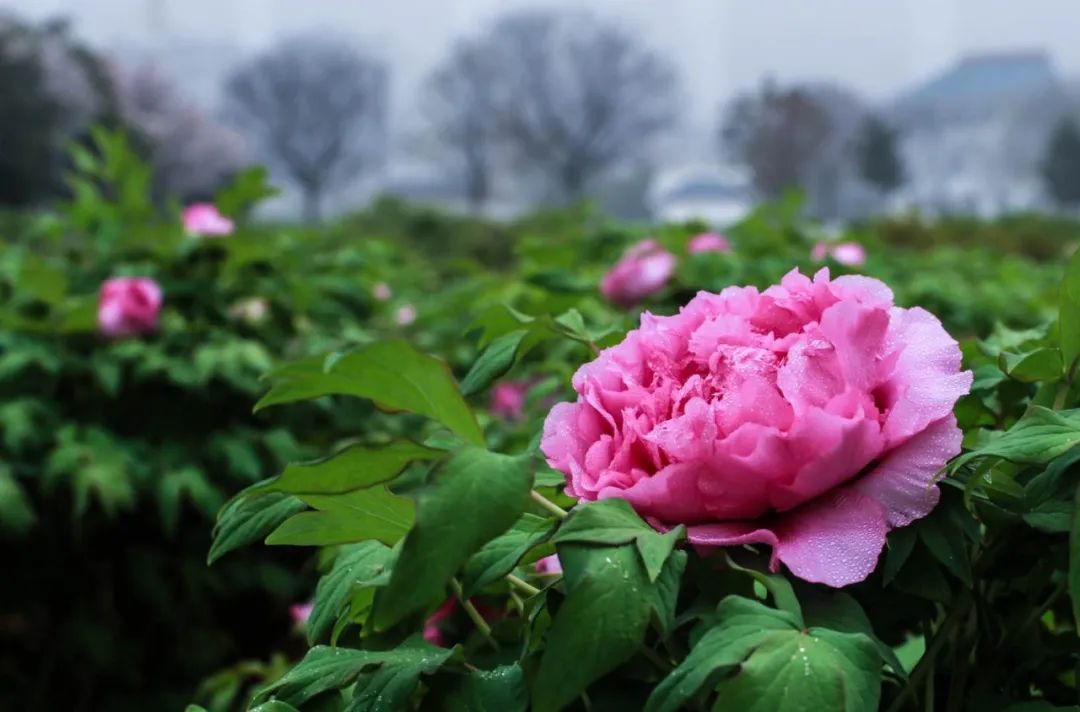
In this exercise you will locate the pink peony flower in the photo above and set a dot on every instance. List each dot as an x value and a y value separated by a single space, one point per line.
432 633
851 254
813 417
548 565
128 306
508 399
643 270
405 315
300 612
708 242
204 220
381 291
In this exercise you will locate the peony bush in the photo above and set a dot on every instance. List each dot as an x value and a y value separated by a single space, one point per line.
799 497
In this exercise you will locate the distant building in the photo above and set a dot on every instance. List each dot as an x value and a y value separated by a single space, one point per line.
972 137
714 194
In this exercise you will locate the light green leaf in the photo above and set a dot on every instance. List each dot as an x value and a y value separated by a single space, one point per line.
500 555
393 374
373 513
16 514
250 518
363 564
471 498
353 468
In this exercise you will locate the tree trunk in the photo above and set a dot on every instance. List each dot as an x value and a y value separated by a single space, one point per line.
477 188
572 177
312 199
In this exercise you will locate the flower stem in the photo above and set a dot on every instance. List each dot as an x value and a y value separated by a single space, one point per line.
526 588
474 615
548 504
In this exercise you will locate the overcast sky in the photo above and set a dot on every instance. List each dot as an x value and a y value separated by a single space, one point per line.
876 47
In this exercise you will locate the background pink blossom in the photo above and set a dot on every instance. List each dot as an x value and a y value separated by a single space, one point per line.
381 291
708 242
813 417
643 270
850 254
204 220
405 315
508 399
128 306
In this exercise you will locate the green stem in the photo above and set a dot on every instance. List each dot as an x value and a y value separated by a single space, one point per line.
548 504
525 587
474 615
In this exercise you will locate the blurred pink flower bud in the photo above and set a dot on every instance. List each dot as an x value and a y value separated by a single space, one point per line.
300 612
508 399
128 306
405 315
548 565
708 242
643 270
204 220
851 254
252 310
381 291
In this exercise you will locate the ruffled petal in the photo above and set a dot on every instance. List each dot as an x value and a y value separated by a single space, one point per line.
904 483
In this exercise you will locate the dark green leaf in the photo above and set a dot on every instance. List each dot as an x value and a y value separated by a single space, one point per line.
500 555
945 540
324 669
389 688
353 468
500 690
613 521
493 362
1038 365
373 513
471 498
363 564
603 620
1038 437
1074 562
392 373
1069 312
901 543
250 518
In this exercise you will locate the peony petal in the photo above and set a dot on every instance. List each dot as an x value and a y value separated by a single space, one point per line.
835 540
926 381
904 483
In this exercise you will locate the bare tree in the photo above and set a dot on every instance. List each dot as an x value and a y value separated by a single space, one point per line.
778 134
459 104
317 108
191 154
576 95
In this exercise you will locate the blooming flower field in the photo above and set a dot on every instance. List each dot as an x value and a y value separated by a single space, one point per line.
361 467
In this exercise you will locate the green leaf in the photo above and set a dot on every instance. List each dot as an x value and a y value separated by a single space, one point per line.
500 690
1069 312
250 518
393 374
325 668
496 360
603 621
389 688
1053 481
499 556
471 498
363 564
945 540
353 468
1074 562
373 513
901 542
1038 437
840 611
779 588
614 521
16 514
761 659
1038 365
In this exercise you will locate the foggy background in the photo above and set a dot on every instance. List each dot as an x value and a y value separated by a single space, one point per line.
867 59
